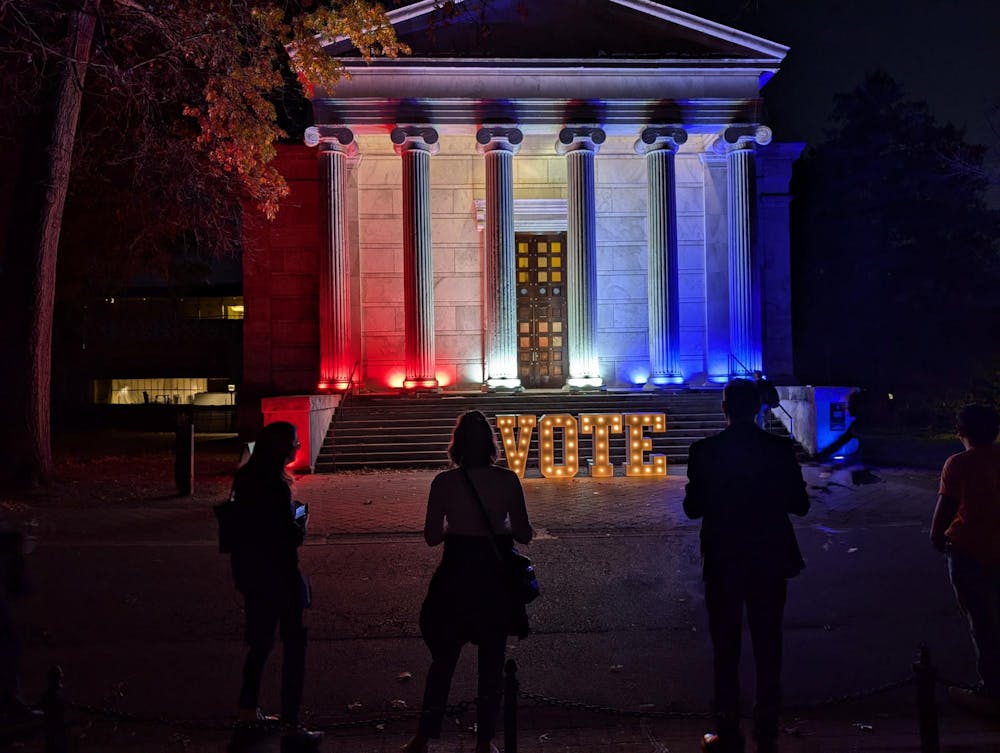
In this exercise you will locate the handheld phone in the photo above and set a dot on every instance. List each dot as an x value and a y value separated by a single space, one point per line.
301 511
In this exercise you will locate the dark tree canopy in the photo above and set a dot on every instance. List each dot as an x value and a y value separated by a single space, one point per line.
148 122
896 255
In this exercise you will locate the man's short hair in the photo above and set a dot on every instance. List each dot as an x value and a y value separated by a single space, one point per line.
980 424
741 399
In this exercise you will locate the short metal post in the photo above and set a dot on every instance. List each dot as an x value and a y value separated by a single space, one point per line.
927 715
184 454
511 688
54 707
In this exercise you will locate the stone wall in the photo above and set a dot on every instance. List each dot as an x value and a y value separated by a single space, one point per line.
280 266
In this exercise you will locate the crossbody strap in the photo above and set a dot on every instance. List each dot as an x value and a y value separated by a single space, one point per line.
482 510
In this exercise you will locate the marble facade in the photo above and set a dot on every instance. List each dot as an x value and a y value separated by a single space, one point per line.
440 165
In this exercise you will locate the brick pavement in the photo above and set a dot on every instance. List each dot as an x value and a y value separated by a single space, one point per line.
394 501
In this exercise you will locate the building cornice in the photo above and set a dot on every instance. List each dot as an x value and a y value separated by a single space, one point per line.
460 115
672 80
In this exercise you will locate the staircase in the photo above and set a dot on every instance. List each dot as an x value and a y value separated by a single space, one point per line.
396 431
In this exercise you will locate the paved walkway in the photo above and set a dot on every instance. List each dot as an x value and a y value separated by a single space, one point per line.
383 506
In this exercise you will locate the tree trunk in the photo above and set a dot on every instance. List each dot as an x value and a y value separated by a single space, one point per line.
30 267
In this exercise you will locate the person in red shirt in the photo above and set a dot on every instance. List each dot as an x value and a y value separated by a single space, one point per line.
966 526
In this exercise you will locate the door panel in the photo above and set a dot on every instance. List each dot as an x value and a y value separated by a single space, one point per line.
541 310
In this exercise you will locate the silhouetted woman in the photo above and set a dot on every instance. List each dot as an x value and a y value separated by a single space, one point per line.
468 599
266 572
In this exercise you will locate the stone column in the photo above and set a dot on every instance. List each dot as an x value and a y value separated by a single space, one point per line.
715 175
498 146
660 145
335 366
580 145
416 145
744 276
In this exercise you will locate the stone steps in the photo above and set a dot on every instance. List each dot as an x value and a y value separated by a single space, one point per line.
396 431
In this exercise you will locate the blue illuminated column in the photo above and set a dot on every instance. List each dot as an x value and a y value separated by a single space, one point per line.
336 144
744 276
580 145
660 144
715 174
416 145
498 146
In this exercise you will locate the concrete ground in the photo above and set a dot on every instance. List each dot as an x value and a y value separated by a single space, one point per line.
135 603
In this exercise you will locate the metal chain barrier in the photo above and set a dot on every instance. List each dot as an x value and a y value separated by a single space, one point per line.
924 676
217 724
550 701
673 711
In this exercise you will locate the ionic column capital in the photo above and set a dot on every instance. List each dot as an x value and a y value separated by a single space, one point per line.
580 138
655 138
503 138
331 139
736 138
408 138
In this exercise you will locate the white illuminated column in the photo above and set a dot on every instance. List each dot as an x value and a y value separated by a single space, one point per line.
416 145
498 146
580 145
546 448
639 444
660 145
600 424
516 451
336 144
744 283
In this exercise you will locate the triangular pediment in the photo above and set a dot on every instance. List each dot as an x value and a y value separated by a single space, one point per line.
566 30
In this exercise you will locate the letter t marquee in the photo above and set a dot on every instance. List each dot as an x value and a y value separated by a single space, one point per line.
600 424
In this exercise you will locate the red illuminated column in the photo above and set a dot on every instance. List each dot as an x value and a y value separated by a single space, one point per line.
659 145
416 145
498 146
335 145
744 273
580 145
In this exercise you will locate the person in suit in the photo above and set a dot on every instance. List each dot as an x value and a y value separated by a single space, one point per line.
743 483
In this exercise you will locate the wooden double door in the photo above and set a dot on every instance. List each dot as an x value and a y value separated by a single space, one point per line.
541 310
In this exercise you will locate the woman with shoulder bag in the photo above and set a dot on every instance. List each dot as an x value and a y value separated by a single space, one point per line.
469 599
266 572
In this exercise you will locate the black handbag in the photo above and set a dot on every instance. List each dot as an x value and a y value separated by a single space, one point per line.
231 524
520 571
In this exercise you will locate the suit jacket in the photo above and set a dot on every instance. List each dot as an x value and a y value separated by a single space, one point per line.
743 483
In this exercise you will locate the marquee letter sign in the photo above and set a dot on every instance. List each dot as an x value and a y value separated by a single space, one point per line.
600 425
516 450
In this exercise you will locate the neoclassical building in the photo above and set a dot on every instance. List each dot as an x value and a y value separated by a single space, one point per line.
525 201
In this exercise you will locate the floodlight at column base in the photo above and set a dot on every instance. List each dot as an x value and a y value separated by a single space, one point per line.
420 384
718 379
659 380
584 382
501 383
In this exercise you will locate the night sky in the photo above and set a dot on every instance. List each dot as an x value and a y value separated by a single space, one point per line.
946 52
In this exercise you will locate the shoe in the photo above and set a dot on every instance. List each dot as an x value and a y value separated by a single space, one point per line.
248 717
299 738
976 701
712 742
